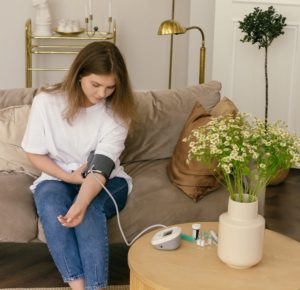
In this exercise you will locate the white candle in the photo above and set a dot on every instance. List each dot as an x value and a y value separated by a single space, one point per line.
90 7
109 8
86 11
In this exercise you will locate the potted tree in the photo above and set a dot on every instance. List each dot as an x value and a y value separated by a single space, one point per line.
262 27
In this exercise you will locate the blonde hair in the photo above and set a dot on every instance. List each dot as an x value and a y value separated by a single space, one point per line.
99 58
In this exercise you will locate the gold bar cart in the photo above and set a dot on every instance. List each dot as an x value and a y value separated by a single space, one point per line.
73 43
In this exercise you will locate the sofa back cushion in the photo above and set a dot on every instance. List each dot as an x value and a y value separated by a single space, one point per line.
160 119
16 97
18 221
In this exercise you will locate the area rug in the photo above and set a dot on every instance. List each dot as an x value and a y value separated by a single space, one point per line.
112 287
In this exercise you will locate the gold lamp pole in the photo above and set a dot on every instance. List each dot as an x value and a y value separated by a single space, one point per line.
171 48
173 27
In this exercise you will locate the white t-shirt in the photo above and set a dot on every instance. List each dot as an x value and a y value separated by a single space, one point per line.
68 145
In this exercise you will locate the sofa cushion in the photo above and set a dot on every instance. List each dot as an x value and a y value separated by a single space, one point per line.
155 200
17 210
160 118
15 97
194 178
13 121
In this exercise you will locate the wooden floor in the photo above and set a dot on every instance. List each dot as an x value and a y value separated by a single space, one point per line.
30 265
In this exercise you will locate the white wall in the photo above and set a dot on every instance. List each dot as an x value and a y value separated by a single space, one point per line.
146 53
202 14
12 37
240 66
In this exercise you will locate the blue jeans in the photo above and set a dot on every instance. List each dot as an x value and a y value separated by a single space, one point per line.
80 252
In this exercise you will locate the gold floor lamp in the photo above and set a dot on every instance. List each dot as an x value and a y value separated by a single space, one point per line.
173 27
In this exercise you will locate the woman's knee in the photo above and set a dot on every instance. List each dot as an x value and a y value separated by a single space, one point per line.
118 188
52 196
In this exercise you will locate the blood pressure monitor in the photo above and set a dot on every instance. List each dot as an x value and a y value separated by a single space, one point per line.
167 239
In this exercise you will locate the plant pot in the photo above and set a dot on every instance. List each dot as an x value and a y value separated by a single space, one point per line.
279 177
241 234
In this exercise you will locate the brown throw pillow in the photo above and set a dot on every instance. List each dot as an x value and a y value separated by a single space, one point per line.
194 179
224 107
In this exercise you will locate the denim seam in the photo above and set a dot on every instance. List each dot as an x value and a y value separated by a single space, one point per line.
106 260
96 276
66 264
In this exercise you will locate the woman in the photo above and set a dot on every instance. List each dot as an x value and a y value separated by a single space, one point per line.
90 111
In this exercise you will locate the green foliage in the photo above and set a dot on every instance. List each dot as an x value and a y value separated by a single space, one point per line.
262 27
238 148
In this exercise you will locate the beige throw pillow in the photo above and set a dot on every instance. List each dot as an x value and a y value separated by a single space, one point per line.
13 121
224 107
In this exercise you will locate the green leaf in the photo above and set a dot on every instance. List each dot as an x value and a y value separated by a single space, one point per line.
262 27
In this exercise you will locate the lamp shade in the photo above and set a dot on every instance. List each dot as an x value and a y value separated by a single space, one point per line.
170 27
173 27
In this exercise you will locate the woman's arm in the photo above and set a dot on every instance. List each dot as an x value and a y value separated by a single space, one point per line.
88 191
45 164
90 187
111 146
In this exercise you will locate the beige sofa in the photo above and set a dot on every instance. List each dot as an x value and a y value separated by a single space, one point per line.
154 199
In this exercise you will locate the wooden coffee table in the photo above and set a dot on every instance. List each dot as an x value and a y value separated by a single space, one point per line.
191 267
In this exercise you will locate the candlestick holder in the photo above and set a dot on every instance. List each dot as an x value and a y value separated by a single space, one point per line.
90 29
109 24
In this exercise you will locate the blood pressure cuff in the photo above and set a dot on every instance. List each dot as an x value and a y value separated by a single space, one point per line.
100 164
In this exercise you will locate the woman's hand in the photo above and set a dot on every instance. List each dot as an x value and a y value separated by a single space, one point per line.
88 190
75 177
74 216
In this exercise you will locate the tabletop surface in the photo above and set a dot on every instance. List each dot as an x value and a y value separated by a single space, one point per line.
191 267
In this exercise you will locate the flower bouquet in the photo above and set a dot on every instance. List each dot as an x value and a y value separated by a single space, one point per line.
243 153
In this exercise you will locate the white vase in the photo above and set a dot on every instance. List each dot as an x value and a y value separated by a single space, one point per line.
241 234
